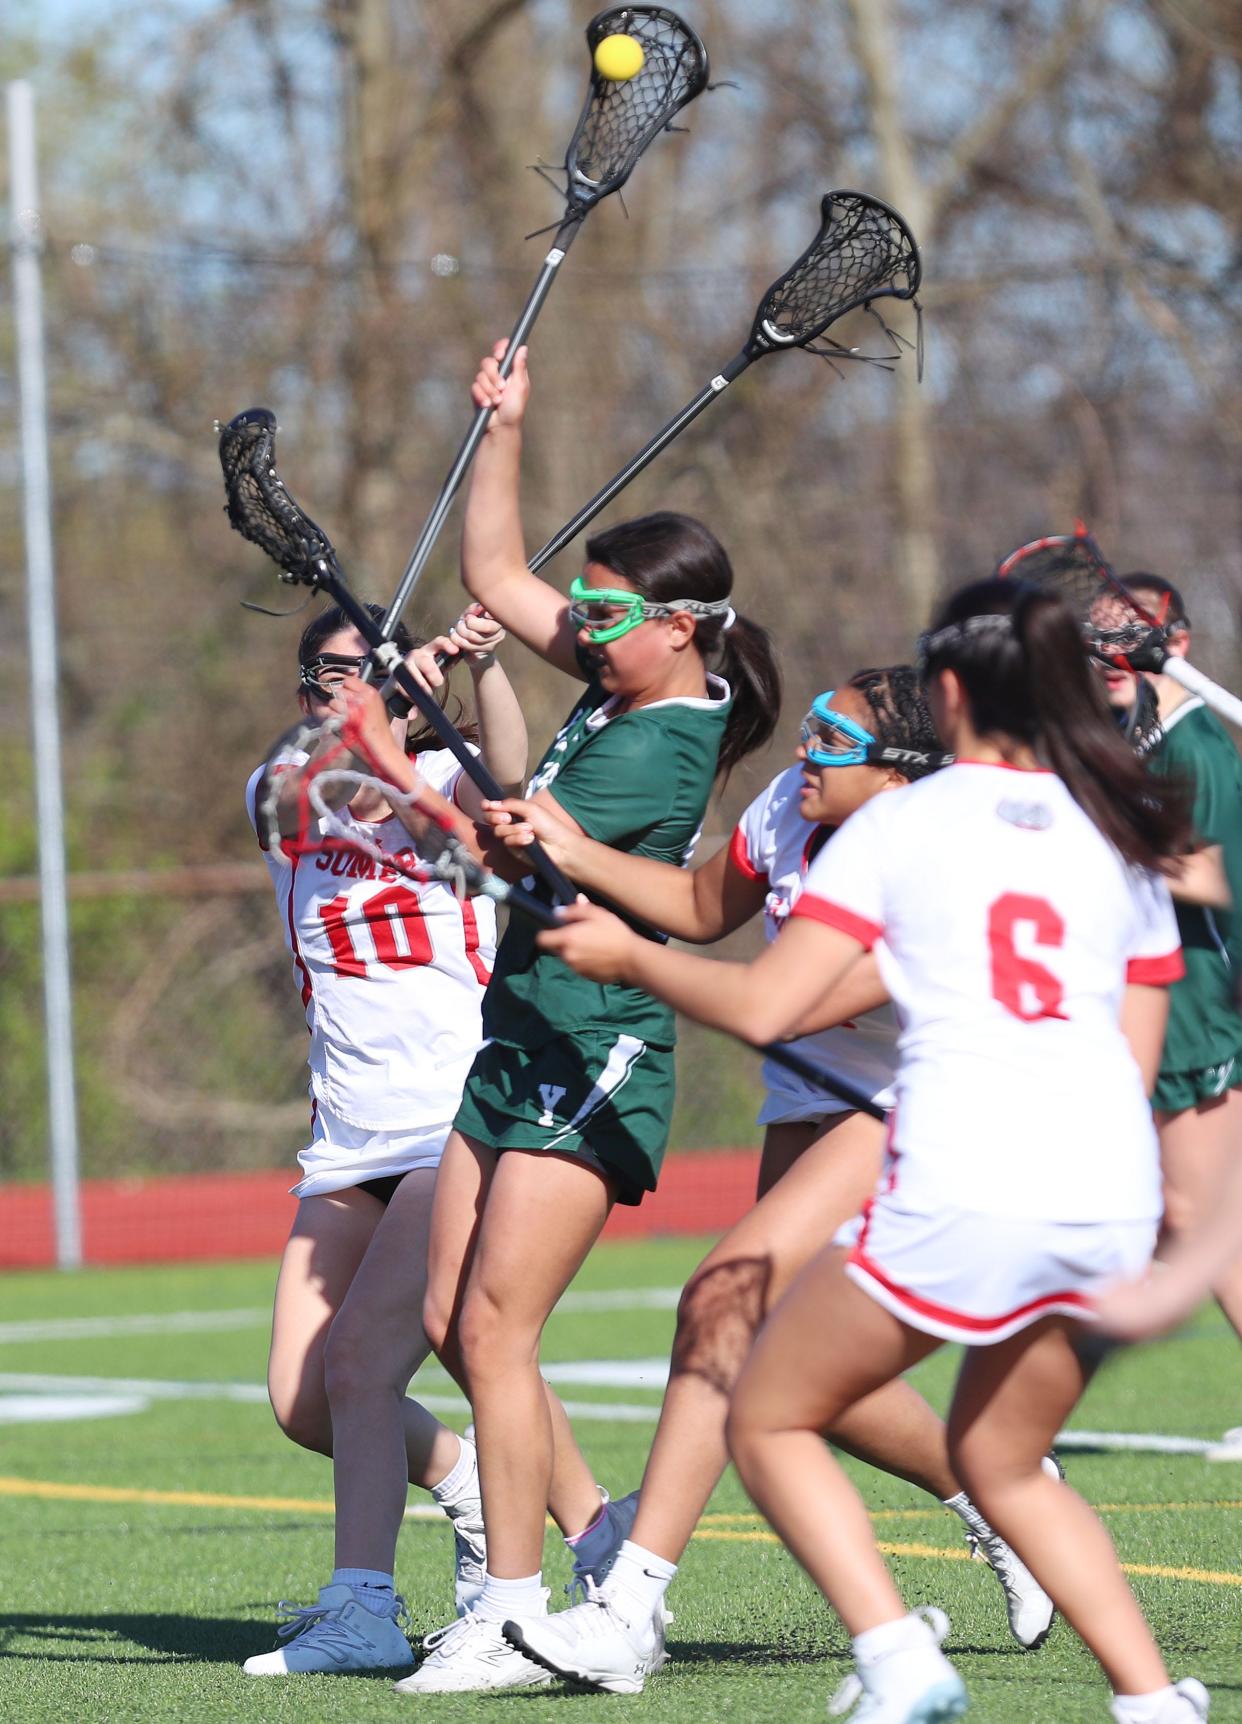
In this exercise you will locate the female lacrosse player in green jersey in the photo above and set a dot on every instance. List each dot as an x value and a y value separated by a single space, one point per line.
821 1160
1198 1095
566 1109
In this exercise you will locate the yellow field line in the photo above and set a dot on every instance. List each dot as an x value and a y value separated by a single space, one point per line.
711 1530
934 1510
182 1499
1209 1577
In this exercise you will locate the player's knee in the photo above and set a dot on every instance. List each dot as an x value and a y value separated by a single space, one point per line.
489 1340
745 1425
717 1318
1179 1211
302 1415
353 1366
437 1318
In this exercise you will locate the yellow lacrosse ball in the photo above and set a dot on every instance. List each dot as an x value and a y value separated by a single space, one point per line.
619 58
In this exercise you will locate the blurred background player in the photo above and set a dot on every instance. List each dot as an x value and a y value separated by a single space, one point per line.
567 1108
821 1159
1027 941
1198 1096
392 974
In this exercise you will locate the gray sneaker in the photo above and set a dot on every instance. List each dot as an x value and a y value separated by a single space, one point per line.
620 1516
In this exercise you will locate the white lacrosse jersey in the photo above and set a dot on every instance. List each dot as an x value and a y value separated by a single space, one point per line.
772 842
1010 929
391 972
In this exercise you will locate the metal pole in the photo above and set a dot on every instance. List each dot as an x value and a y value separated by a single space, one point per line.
27 241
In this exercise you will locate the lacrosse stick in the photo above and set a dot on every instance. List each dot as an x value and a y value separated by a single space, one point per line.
1117 628
438 854
435 852
618 120
863 251
261 510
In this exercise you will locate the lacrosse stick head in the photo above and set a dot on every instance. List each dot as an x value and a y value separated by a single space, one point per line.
620 118
864 250
260 508
313 820
1115 626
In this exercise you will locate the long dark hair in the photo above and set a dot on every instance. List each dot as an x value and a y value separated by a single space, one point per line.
334 619
1023 665
667 557
899 715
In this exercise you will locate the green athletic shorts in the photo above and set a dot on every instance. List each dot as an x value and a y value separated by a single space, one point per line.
603 1098
1176 1091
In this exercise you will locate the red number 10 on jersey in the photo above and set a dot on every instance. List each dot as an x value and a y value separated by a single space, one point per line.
398 930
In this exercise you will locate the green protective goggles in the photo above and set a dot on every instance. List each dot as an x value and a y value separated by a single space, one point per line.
607 613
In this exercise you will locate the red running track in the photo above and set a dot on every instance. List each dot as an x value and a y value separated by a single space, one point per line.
218 1215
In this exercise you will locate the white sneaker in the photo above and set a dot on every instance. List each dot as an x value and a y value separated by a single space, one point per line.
913 1685
620 1516
594 1643
1030 1611
336 1635
469 1655
1188 1704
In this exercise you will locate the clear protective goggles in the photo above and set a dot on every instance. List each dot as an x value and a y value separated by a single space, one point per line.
322 675
831 739
607 613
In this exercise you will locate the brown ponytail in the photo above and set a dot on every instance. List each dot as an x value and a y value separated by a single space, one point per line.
666 557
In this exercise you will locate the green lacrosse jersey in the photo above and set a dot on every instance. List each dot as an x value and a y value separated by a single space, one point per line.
638 780
1205 1028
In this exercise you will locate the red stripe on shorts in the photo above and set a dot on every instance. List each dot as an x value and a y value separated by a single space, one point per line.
945 1313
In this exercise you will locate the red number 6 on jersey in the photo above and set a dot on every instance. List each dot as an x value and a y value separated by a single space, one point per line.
1011 974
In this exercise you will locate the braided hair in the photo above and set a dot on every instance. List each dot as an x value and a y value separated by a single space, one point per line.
899 715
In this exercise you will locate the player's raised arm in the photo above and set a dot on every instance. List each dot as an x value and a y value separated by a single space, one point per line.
493 551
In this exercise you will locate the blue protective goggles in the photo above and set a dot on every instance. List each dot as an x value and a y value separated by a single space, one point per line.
832 739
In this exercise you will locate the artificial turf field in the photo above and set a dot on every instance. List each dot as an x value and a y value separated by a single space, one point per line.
144 1546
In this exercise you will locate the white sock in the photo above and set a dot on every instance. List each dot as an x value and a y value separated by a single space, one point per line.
462 1478
966 1511
501 1599
903 1635
1142 1708
637 1582
370 1586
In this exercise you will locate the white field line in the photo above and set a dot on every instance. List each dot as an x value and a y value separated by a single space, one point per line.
600 1373
259 1316
148 1389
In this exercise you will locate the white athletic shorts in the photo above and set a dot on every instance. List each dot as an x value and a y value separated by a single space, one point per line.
789 1099
980 1278
340 1154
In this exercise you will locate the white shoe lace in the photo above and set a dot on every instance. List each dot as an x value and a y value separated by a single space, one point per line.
1004 1562
852 1690
446 1640
609 1619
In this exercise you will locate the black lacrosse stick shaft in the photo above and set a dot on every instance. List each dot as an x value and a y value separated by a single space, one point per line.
825 282
618 121
561 886
645 456
434 523
782 1055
